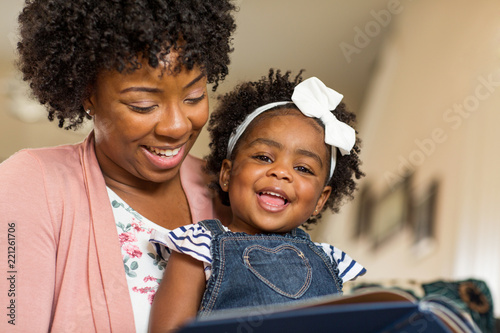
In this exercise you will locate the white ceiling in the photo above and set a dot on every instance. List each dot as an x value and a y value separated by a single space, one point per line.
285 34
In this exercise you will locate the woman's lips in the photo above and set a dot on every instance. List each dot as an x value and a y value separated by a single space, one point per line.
163 158
164 152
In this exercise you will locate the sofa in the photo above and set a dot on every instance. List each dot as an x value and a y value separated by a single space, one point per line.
471 296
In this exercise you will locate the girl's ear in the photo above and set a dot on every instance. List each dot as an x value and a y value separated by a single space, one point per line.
225 174
325 194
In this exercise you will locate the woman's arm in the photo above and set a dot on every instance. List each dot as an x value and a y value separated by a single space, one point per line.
28 244
179 296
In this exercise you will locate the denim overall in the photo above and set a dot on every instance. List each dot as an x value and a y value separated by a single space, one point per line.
263 269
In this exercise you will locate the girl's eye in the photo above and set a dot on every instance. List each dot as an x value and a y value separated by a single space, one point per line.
263 158
304 170
196 99
142 109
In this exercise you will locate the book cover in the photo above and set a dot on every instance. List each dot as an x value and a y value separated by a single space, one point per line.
371 310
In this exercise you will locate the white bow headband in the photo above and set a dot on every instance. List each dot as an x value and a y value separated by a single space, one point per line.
314 100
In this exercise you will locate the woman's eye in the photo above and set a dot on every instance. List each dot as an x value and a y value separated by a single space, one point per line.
142 109
196 99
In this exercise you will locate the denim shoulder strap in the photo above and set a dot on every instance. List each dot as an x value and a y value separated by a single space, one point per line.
215 226
297 232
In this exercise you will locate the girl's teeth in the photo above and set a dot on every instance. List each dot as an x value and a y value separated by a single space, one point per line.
164 152
274 194
274 199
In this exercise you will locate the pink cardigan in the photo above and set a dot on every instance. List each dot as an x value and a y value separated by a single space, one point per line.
61 265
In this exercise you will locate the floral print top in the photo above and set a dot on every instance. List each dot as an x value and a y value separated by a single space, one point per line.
144 268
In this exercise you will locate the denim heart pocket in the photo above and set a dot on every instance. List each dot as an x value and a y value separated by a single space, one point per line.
284 268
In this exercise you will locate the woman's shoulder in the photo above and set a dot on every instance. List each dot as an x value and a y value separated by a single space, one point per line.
29 161
63 154
42 166
41 184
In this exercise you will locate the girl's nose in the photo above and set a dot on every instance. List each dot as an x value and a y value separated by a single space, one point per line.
281 171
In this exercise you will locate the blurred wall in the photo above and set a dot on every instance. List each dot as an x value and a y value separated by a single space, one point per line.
432 112
23 121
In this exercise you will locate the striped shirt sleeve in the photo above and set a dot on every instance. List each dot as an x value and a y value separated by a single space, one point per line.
349 269
192 239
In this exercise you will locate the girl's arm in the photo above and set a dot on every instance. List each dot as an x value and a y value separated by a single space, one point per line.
179 295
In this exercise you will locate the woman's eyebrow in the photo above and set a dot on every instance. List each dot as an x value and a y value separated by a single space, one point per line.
141 89
157 90
196 79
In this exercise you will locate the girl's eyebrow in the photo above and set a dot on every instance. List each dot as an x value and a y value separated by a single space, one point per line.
311 154
265 141
278 145
157 90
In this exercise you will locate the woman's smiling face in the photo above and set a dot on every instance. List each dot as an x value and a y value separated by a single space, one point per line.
276 180
146 121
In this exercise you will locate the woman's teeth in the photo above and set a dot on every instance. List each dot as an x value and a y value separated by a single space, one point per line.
164 152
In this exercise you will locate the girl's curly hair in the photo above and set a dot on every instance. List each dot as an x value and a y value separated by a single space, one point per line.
233 108
65 43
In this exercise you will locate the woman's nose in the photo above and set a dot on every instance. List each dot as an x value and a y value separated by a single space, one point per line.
173 122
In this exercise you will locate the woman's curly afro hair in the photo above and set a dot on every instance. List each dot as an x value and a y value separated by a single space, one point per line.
66 43
233 108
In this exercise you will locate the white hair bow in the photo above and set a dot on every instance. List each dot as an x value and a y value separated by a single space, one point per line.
315 100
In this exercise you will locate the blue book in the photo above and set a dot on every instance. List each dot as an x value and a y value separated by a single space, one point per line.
370 311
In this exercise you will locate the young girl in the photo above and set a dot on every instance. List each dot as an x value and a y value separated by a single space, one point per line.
274 150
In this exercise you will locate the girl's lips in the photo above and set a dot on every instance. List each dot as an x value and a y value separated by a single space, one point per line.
272 201
164 158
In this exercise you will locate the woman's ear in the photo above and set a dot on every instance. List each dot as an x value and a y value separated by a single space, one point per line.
225 174
88 106
325 194
89 101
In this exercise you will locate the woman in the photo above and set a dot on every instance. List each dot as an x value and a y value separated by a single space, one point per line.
77 218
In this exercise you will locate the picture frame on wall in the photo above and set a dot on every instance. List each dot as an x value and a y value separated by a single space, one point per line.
366 200
391 212
425 214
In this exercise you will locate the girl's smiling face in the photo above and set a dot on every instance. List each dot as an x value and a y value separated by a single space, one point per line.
276 180
145 122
